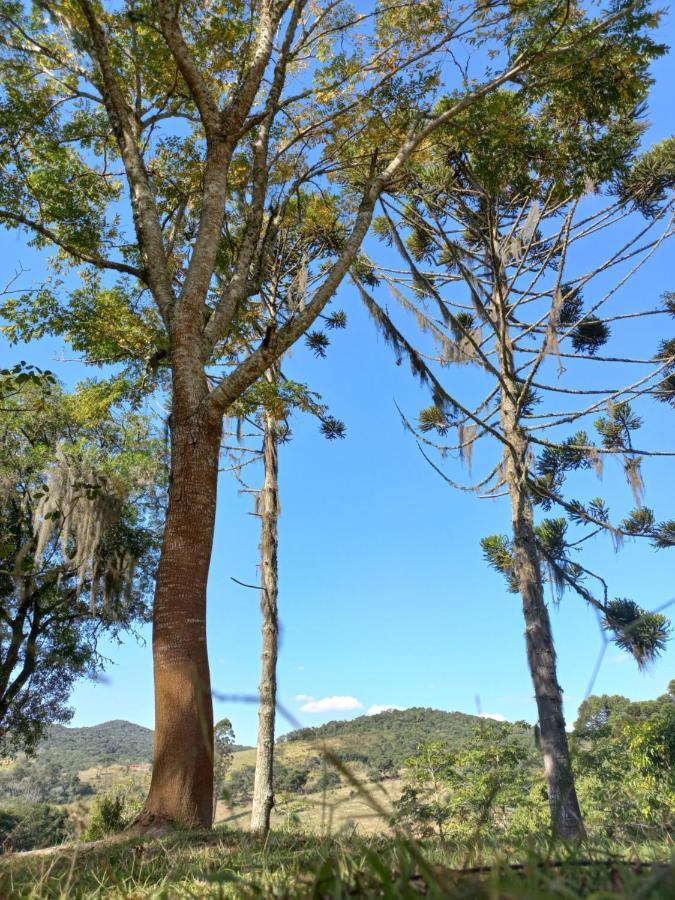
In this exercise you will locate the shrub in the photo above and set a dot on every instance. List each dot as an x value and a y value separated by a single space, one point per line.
33 826
110 814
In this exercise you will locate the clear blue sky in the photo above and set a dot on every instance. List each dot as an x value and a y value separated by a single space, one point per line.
385 597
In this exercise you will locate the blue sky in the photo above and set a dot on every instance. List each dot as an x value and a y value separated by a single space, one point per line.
384 595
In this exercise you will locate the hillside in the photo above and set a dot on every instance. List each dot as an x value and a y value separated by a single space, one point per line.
385 740
72 763
372 748
117 741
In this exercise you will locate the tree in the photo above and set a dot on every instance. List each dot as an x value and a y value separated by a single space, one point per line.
214 116
223 751
624 755
32 827
424 804
263 785
267 407
504 216
78 496
462 793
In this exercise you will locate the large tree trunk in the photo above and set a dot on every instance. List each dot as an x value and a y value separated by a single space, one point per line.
181 790
566 818
263 790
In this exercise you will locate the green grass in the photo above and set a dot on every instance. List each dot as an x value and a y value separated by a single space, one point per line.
298 865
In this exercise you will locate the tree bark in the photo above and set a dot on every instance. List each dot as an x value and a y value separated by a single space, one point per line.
566 817
181 790
263 788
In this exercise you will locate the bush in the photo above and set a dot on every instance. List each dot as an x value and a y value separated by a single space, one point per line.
329 779
33 826
110 814
239 785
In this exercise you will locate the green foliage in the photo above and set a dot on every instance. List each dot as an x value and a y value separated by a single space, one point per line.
80 496
642 633
105 818
116 741
494 812
42 779
498 553
665 391
617 427
239 785
33 826
333 429
468 795
624 755
433 419
590 335
318 343
639 521
110 814
14 380
384 741
223 749
664 535
650 176
425 805
569 456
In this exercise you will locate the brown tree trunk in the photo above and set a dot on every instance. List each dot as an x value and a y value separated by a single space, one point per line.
566 817
181 790
263 789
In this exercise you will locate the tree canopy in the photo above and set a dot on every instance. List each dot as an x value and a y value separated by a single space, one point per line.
80 496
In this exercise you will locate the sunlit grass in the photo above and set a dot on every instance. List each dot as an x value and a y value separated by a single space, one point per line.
296 864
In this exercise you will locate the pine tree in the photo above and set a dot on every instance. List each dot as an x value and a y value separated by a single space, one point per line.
505 221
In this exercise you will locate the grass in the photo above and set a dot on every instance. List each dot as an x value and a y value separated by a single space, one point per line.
329 845
323 812
228 863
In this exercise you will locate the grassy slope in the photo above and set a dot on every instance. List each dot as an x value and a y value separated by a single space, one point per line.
295 865
362 743
324 812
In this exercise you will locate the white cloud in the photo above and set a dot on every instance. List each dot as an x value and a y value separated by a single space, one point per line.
331 704
374 710
303 698
498 717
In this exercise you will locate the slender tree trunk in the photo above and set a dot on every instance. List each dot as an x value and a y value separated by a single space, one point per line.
566 817
181 790
263 789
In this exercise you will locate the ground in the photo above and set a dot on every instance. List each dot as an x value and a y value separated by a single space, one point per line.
294 864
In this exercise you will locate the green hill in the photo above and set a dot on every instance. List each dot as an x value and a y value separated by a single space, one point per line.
52 774
385 740
374 748
117 741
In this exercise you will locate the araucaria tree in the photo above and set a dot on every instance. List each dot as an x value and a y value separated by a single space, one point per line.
493 233
79 512
158 143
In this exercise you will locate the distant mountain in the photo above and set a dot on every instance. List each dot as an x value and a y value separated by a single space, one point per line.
112 742
52 774
117 741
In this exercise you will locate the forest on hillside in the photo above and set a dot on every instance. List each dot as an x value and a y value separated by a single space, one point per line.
228 212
